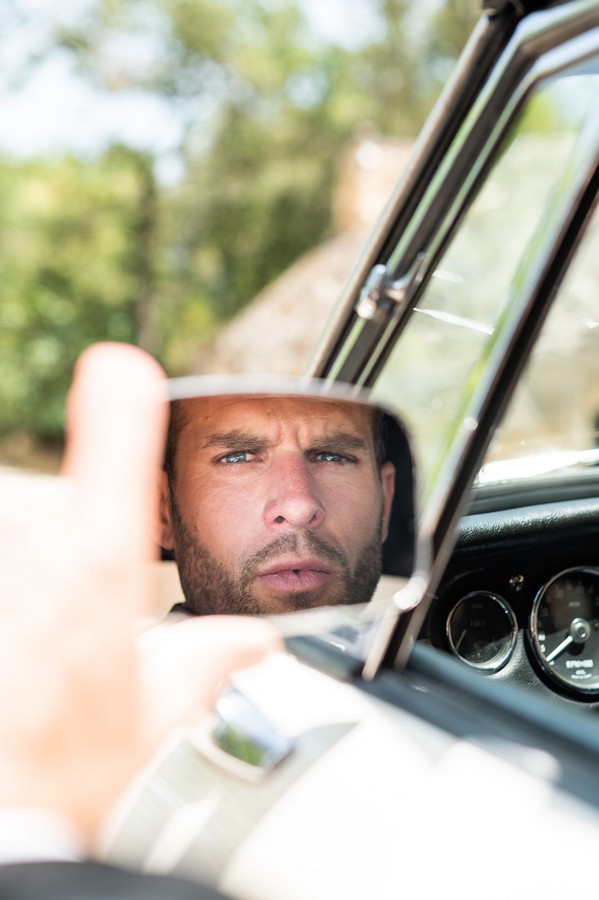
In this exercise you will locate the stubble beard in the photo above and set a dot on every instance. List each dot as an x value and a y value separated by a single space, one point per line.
209 589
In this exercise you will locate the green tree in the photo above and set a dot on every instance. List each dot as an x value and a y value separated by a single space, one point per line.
268 107
74 269
99 248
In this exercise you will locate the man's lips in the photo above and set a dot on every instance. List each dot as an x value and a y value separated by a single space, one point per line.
307 574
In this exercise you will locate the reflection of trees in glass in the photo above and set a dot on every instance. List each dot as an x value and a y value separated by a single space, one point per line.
108 250
232 742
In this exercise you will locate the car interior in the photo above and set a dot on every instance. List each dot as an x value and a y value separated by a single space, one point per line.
472 315
487 383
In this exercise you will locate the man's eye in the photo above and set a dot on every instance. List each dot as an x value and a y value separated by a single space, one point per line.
329 456
236 456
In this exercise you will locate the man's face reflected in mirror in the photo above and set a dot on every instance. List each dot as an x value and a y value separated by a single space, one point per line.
273 504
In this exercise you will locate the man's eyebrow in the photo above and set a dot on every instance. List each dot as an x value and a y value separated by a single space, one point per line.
238 439
341 440
235 440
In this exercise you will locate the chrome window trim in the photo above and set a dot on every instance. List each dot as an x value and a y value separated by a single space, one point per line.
517 71
485 44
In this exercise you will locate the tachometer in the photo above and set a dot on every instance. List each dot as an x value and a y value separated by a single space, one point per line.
564 629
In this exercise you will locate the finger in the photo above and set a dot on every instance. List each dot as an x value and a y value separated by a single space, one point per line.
187 664
116 419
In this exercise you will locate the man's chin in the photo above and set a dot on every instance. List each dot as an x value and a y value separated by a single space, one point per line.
293 602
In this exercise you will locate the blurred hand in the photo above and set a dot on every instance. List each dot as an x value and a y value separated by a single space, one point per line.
83 702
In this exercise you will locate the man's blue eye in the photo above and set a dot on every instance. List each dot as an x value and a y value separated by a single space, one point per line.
331 457
237 456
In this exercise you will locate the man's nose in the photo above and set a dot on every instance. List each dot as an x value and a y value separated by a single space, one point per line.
293 499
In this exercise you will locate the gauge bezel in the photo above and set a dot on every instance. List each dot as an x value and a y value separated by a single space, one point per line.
574 689
500 661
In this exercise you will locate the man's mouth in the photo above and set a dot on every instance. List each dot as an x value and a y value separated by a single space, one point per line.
295 575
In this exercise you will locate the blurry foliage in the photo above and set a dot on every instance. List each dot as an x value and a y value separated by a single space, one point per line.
96 249
72 272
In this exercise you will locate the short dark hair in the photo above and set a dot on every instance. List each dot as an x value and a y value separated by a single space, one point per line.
177 418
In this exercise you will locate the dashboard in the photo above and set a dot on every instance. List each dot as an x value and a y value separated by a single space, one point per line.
519 600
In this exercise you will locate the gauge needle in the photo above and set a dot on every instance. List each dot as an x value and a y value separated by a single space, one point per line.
560 648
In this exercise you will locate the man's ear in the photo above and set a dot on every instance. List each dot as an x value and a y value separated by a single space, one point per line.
166 537
388 485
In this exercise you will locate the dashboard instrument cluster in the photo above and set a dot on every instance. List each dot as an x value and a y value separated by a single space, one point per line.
546 633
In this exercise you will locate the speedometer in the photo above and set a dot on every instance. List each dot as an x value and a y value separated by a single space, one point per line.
564 629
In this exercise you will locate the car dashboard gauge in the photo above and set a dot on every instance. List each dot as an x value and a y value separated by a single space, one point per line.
564 630
481 630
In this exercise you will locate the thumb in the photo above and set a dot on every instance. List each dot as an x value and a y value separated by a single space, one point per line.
186 665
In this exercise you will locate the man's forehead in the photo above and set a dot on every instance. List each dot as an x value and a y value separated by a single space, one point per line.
217 414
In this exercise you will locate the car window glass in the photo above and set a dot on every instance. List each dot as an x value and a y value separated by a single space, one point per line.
552 423
434 369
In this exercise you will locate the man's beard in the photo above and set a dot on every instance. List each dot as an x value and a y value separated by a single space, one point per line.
210 590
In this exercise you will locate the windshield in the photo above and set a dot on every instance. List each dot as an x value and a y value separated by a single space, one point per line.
440 360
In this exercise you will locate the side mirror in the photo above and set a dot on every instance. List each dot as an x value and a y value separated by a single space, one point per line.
316 457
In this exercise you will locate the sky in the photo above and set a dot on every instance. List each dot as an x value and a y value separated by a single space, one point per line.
56 110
